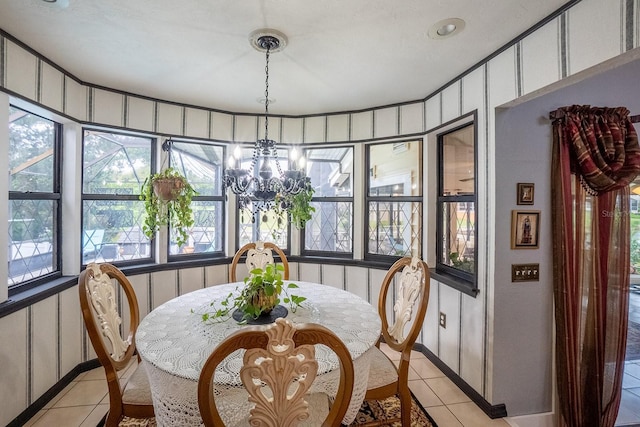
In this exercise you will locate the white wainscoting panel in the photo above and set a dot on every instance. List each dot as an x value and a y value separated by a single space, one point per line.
21 70
191 279
434 113
362 125
315 129
502 78
412 118
221 126
355 279
292 132
451 102
338 127
472 340
216 274
75 99
163 287
588 47
309 272
169 118
108 107
140 113
386 122
246 128
430 329
14 361
540 48
333 275
70 330
450 336
197 122
44 345
473 90
51 87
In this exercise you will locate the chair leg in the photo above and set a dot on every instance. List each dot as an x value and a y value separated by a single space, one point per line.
405 408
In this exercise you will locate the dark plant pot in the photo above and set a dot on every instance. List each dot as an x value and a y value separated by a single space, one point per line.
168 188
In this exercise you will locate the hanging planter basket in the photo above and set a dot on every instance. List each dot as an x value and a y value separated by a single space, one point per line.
168 188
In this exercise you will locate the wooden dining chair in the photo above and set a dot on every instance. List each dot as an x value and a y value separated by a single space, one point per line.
278 369
98 302
399 333
259 254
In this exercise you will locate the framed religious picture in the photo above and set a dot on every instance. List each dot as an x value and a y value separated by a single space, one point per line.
525 229
525 193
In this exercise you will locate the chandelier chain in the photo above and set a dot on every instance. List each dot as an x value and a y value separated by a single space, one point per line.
266 94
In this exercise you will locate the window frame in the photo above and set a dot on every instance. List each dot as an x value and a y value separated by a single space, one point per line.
343 199
56 196
462 280
197 198
127 197
368 198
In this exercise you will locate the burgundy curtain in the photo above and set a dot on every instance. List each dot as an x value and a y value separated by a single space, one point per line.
595 157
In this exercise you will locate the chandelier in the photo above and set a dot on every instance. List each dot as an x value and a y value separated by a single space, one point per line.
264 183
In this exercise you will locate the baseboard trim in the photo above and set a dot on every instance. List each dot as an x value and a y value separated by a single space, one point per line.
41 402
492 411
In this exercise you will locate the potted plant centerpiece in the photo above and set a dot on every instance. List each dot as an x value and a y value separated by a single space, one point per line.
258 299
167 198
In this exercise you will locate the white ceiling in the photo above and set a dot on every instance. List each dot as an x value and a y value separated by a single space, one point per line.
341 55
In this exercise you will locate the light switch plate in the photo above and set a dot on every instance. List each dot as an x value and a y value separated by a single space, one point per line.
525 272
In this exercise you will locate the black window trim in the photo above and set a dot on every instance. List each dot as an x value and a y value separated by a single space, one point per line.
456 278
55 195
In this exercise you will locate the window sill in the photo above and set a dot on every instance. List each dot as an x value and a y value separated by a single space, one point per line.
466 287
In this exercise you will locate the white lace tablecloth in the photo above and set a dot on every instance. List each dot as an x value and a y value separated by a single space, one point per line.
174 343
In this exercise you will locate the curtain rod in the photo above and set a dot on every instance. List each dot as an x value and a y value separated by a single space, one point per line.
559 113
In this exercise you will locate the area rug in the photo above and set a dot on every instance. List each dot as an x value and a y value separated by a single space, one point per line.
389 409
370 411
633 341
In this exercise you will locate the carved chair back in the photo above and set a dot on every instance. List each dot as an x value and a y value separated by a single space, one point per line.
259 254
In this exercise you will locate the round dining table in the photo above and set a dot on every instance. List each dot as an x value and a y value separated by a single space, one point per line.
174 342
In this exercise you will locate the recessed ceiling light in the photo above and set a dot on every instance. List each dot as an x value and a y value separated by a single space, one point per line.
62 4
446 28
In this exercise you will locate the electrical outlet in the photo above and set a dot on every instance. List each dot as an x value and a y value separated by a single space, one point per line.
443 320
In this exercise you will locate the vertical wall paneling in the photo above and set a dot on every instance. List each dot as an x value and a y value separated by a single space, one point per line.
362 125
333 275
337 128
434 113
216 275
191 279
411 118
502 83
108 108
430 329
140 113
588 47
539 48
386 122
51 87
309 273
375 284
196 123
140 284
20 70
14 361
221 126
44 339
451 102
450 336
315 129
3 61
472 341
473 90
169 118
75 99
292 130
70 330
164 287
246 129
355 279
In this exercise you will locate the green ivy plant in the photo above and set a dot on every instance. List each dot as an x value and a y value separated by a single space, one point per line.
261 292
298 206
176 210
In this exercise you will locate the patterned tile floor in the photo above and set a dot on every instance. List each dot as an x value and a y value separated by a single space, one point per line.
629 413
